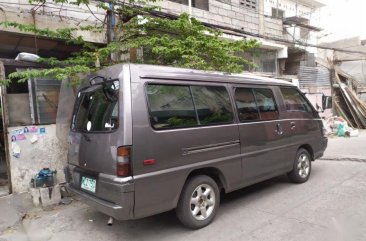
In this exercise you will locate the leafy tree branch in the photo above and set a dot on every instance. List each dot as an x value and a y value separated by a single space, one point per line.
182 42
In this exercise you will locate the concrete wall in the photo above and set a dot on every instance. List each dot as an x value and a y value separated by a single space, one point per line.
290 8
273 27
53 16
230 14
304 9
48 151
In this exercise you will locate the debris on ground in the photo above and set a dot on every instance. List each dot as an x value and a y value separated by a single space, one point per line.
336 125
66 200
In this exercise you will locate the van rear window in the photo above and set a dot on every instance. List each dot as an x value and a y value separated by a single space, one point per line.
176 106
96 108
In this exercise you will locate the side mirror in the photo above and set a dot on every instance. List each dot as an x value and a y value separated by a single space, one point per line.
326 102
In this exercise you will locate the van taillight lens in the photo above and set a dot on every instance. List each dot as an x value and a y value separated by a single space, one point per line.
123 161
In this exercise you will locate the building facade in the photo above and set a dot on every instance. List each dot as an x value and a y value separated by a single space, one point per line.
284 27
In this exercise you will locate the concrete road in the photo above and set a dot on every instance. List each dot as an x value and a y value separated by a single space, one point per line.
330 206
347 148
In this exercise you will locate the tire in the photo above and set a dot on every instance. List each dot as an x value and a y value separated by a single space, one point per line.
193 200
302 167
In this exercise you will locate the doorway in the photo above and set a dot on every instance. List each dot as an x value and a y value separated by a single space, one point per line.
4 168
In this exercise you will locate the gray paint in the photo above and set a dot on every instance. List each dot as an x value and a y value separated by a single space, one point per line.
239 153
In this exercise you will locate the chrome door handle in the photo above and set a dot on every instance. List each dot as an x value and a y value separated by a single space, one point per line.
279 129
293 125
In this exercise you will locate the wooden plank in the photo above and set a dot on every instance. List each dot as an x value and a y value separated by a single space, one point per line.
343 114
358 114
359 104
349 105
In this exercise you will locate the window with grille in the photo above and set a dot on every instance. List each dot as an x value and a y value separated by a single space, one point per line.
277 13
252 4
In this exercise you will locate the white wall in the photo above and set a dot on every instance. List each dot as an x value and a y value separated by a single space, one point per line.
48 151
291 8
295 8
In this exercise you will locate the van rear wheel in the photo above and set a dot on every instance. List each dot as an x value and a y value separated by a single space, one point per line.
302 167
199 200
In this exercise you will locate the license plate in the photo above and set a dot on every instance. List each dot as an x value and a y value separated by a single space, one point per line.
88 184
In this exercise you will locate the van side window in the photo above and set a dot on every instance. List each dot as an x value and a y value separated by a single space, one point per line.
245 103
176 106
171 106
212 104
294 101
266 103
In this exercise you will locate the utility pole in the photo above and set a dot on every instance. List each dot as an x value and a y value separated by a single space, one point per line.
332 82
190 9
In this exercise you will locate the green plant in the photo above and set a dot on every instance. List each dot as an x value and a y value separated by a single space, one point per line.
182 42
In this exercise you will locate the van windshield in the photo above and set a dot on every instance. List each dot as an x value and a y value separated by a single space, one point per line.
96 108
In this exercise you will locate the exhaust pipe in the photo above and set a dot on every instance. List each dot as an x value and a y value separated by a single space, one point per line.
110 221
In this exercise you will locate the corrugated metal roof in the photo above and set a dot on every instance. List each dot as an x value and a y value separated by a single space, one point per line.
314 76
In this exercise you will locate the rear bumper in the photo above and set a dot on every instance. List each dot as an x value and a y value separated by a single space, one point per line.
116 211
113 197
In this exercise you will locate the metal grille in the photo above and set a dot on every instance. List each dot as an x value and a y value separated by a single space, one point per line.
249 3
314 76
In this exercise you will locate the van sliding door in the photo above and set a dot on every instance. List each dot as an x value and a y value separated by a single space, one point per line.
261 133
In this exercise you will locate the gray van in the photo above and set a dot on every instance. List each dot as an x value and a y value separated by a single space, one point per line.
149 139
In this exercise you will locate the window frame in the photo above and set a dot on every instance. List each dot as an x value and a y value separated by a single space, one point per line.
189 85
312 110
253 87
194 5
77 104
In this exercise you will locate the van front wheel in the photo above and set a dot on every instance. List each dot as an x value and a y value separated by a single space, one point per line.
198 202
302 167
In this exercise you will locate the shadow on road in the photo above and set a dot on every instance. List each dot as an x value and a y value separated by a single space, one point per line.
235 205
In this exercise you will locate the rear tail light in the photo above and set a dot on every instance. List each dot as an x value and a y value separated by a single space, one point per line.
123 161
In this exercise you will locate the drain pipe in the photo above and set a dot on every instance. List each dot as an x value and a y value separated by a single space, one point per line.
110 221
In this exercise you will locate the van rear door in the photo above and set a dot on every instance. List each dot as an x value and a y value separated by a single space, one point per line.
95 129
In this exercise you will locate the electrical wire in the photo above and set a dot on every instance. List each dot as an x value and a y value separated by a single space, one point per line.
238 31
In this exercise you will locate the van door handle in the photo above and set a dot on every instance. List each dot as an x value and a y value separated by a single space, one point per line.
279 129
293 125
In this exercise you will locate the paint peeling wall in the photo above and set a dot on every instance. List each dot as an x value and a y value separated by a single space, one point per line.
47 151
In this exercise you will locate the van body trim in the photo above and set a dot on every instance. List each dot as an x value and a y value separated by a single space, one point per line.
210 162
125 78
211 147
189 166
118 180
217 78
257 122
